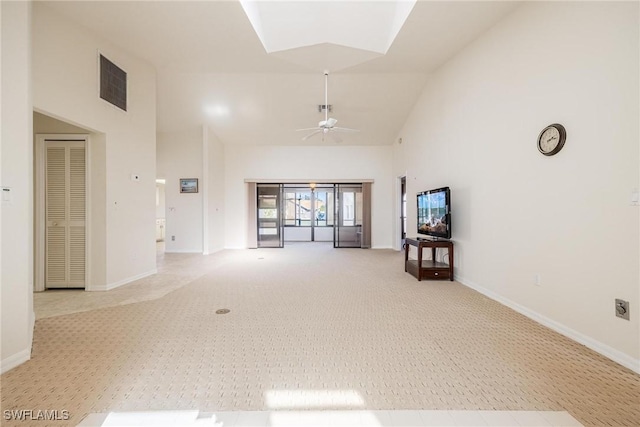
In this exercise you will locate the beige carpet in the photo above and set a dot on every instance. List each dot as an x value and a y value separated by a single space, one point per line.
306 321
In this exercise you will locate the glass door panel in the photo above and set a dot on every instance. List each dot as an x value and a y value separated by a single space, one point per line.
298 213
270 233
322 203
308 212
348 216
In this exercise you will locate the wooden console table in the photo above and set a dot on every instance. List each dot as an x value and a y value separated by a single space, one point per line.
430 268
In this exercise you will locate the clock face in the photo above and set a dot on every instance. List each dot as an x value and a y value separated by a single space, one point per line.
551 139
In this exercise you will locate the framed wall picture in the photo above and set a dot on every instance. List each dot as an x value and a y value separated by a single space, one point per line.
188 185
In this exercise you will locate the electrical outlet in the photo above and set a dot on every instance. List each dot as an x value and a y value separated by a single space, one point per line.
622 309
173 238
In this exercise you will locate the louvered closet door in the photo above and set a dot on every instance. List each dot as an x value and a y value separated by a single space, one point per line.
65 214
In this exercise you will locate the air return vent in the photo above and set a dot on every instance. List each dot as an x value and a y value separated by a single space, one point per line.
113 83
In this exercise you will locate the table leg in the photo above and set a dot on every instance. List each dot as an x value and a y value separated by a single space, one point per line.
451 263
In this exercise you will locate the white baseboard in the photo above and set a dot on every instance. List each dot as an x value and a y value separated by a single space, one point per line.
22 356
32 326
605 350
119 283
182 252
213 251
15 360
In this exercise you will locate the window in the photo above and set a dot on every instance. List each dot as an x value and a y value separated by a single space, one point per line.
351 208
348 211
324 209
297 208
303 206
320 216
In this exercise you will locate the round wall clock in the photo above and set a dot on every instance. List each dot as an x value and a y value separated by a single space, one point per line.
551 139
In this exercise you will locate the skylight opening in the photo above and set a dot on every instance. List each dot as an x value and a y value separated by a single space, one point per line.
370 26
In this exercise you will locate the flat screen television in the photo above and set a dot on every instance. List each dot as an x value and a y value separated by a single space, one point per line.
434 213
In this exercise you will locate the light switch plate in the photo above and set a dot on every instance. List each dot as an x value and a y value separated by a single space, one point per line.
6 195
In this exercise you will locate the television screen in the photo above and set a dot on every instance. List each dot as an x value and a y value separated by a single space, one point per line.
434 213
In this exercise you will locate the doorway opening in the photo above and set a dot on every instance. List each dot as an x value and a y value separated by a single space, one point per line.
314 212
403 210
62 198
308 212
270 223
161 222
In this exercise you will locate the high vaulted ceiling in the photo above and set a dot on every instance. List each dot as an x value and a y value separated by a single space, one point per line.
213 69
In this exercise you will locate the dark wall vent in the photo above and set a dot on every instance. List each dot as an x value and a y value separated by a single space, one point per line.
113 83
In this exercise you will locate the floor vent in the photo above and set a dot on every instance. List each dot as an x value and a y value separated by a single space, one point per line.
223 311
113 83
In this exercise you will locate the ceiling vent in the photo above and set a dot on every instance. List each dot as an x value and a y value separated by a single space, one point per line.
113 83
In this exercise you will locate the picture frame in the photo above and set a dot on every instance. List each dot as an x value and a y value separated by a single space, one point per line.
188 185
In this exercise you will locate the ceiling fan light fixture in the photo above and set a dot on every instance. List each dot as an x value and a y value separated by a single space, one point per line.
328 125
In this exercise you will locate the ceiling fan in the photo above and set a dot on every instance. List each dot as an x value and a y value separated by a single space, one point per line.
328 125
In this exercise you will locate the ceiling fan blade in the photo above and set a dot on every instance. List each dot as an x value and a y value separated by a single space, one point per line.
307 129
317 131
339 129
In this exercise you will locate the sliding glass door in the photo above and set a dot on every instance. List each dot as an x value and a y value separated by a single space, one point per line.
323 213
270 224
308 212
347 231
313 213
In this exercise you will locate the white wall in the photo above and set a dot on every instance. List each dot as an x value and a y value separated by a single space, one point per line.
65 86
45 124
215 190
195 153
303 234
180 156
298 234
517 213
308 164
16 173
